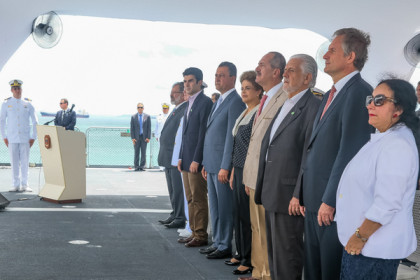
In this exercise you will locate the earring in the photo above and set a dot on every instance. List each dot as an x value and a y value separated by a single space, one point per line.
395 115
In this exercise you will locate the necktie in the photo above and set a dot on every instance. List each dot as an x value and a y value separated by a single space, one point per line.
62 115
263 99
141 124
171 114
219 101
330 98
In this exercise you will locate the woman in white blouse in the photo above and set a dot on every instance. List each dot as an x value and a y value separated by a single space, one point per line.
376 192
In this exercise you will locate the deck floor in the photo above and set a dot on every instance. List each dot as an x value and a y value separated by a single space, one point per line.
119 220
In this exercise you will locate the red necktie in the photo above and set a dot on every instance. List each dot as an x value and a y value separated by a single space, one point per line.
330 98
263 99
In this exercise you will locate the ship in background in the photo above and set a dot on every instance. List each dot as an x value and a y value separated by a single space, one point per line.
79 114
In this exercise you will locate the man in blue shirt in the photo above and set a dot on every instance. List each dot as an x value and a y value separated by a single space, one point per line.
140 135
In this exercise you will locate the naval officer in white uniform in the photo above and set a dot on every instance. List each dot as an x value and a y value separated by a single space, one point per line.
16 115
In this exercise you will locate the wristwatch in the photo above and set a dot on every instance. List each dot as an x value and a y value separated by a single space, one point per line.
359 236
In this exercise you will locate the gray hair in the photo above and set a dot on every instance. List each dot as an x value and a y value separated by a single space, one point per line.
356 41
308 66
278 61
181 86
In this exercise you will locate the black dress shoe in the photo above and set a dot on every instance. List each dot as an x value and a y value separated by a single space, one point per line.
207 250
241 272
137 169
167 221
141 169
228 262
220 254
174 224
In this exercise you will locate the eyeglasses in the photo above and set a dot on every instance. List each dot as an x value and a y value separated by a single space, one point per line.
379 100
62 103
140 107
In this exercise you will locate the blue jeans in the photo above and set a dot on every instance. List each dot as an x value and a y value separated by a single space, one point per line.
360 267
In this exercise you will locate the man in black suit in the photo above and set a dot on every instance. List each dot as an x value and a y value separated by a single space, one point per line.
173 177
191 156
280 163
64 117
340 129
140 128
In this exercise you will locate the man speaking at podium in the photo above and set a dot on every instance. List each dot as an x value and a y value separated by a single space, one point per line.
65 117
16 132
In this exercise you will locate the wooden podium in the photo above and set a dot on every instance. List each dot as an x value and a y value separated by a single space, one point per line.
63 155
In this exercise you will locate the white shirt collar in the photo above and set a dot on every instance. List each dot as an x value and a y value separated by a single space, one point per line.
343 81
176 107
273 90
224 95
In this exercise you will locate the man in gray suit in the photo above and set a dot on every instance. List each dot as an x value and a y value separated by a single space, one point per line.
340 129
140 128
173 177
217 160
280 162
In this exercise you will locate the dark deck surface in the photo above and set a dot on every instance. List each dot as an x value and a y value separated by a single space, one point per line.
118 219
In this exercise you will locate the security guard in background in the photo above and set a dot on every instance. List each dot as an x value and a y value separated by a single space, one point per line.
17 134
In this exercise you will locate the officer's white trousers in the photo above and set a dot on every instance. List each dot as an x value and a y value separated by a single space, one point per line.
19 158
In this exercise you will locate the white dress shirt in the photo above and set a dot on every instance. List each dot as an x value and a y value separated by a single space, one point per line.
379 184
284 110
222 97
341 83
177 144
271 93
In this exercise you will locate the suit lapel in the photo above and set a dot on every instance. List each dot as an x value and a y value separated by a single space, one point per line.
193 107
294 113
279 96
341 96
221 107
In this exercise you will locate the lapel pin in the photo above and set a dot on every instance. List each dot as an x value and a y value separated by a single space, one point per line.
292 113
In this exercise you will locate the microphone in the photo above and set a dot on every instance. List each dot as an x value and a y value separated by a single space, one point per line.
71 109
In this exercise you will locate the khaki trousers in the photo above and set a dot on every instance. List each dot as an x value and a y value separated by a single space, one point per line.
198 209
259 253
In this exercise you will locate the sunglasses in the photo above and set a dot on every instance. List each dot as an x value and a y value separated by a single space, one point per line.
140 107
379 100
62 103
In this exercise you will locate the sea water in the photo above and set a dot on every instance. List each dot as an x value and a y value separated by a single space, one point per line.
108 142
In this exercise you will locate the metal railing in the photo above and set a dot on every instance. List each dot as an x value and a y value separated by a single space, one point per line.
105 147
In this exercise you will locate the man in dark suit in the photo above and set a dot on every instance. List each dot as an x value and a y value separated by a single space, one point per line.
173 177
340 129
217 160
64 117
191 156
140 128
279 166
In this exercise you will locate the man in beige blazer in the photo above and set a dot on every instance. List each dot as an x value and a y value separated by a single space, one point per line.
270 71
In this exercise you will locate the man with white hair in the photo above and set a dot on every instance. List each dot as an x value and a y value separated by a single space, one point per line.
281 157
